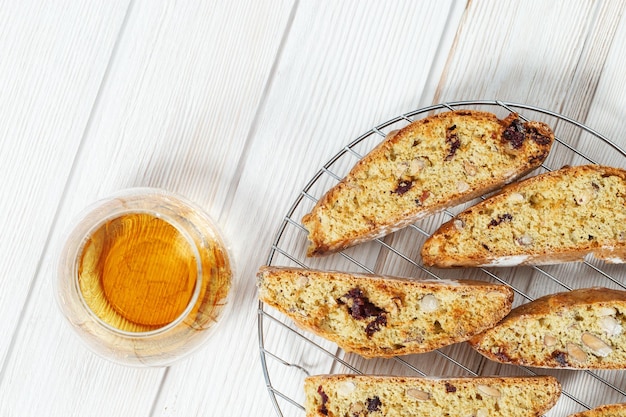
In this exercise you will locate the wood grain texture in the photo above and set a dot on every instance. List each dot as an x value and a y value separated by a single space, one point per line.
607 112
522 60
174 112
309 115
46 99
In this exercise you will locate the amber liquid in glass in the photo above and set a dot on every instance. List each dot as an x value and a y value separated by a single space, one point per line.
137 272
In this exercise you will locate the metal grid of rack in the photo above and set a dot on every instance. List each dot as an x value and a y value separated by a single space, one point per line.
289 354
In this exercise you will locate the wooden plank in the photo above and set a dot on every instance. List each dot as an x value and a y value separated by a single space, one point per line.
345 67
174 112
507 53
606 113
48 91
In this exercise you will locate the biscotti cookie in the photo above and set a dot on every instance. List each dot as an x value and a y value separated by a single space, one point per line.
361 396
377 316
582 329
554 217
609 410
427 166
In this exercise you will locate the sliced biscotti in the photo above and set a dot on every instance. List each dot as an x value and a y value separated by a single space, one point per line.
377 316
431 164
582 329
554 217
609 410
351 395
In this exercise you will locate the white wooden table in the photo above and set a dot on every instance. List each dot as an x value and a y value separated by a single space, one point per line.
235 105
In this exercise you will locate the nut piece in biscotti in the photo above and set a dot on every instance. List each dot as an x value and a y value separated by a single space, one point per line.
365 395
378 316
427 166
581 329
608 410
554 217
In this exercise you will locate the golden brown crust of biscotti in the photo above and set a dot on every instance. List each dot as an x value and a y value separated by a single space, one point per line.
377 316
429 165
608 410
559 216
580 329
352 395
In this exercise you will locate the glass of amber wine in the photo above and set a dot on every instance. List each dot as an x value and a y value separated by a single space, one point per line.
144 277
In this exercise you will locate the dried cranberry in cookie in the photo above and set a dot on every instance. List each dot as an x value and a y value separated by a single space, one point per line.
432 164
559 216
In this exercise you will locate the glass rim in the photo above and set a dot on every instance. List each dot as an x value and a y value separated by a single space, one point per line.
79 250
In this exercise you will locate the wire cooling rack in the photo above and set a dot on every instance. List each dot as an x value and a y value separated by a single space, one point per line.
289 354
